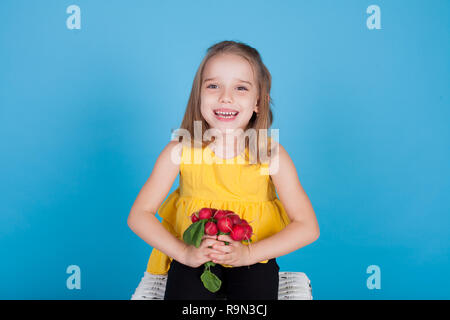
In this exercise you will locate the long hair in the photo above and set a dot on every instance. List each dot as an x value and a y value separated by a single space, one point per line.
262 120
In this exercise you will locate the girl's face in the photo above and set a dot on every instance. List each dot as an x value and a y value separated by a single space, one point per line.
228 86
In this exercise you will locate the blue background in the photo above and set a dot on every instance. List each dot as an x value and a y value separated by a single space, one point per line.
364 114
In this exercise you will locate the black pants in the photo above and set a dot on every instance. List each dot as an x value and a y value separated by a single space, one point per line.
256 282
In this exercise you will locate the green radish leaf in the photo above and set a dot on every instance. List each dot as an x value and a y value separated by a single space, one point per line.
187 235
200 232
194 233
210 281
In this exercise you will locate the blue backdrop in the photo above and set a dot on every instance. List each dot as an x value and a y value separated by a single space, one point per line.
363 113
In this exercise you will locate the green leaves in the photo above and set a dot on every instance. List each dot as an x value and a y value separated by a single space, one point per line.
194 234
210 280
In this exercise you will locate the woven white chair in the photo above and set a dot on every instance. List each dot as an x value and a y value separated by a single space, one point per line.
292 286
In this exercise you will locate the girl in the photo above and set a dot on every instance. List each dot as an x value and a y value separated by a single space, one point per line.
229 101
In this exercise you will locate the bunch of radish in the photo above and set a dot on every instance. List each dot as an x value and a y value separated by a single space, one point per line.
223 222
213 222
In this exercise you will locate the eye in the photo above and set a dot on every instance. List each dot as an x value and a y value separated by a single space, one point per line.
244 88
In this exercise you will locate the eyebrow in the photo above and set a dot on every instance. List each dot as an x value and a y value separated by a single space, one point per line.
240 80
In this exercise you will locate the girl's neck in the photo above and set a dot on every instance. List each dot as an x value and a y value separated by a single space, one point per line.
226 146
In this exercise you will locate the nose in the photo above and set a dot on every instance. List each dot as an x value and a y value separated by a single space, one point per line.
226 97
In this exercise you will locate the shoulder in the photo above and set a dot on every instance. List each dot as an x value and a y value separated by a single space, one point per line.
279 158
174 145
172 151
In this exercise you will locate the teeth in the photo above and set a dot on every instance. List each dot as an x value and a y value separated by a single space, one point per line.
226 113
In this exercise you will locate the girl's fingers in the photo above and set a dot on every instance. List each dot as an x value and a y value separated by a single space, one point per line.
209 237
224 255
209 242
225 237
210 251
220 258
223 248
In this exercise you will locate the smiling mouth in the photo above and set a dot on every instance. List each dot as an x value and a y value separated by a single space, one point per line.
226 114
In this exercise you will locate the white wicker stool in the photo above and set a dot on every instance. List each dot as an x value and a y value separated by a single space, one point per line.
292 286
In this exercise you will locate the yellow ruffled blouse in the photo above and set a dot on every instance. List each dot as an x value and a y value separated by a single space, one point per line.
228 184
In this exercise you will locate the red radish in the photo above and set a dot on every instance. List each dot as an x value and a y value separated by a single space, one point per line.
225 224
235 218
194 217
243 221
220 214
238 232
205 213
248 231
211 228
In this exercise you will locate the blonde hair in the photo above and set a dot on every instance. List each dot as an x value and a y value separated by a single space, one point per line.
262 120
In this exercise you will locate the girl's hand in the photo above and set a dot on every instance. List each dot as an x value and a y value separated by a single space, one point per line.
195 257
234 254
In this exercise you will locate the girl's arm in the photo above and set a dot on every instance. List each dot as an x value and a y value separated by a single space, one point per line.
142 219
303 229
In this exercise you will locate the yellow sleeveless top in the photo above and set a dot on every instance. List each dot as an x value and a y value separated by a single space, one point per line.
227 184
